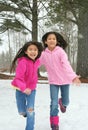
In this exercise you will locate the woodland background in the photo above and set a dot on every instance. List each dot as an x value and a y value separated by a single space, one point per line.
23 20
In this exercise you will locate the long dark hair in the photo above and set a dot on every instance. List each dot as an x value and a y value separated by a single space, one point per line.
21 53
60 40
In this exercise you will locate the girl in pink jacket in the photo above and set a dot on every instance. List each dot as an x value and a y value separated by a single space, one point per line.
26 79
60 74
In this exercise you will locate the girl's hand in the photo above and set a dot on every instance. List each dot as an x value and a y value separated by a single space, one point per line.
27 91
77 81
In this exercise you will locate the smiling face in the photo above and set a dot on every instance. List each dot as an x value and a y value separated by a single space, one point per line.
51 41
32 52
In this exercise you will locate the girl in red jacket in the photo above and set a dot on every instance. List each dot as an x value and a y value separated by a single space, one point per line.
26 79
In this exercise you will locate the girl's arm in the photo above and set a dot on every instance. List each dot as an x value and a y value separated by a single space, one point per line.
20 75
68 69
42 59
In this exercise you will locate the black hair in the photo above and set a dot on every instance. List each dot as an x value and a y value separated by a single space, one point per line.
21 53
60 40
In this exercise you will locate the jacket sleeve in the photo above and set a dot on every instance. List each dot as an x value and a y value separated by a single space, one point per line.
66 66
42 59
20 75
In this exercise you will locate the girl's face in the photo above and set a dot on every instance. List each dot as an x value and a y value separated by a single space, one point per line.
32 52
51 41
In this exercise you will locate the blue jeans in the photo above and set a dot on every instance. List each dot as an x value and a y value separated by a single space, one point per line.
54 95
25 105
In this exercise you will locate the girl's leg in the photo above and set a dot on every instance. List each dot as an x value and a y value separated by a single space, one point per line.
21 102
54 118
30 111
65 94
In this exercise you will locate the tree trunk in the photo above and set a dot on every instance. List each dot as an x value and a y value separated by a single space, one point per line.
34 21
82 58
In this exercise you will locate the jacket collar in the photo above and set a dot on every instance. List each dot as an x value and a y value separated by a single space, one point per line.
47 50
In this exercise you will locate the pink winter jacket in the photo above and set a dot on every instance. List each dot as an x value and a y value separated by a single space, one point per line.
26 74
57 65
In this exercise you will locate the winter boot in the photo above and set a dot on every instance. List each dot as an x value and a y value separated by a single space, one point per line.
54 122
62 108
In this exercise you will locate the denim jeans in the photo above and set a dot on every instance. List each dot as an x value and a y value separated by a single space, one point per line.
24 104
54 95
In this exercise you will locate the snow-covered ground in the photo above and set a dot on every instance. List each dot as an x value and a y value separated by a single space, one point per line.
76 117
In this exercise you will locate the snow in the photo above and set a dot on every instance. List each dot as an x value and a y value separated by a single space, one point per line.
75 118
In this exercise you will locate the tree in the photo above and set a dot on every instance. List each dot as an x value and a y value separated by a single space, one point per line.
82 60
21 14
75 11
0 42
